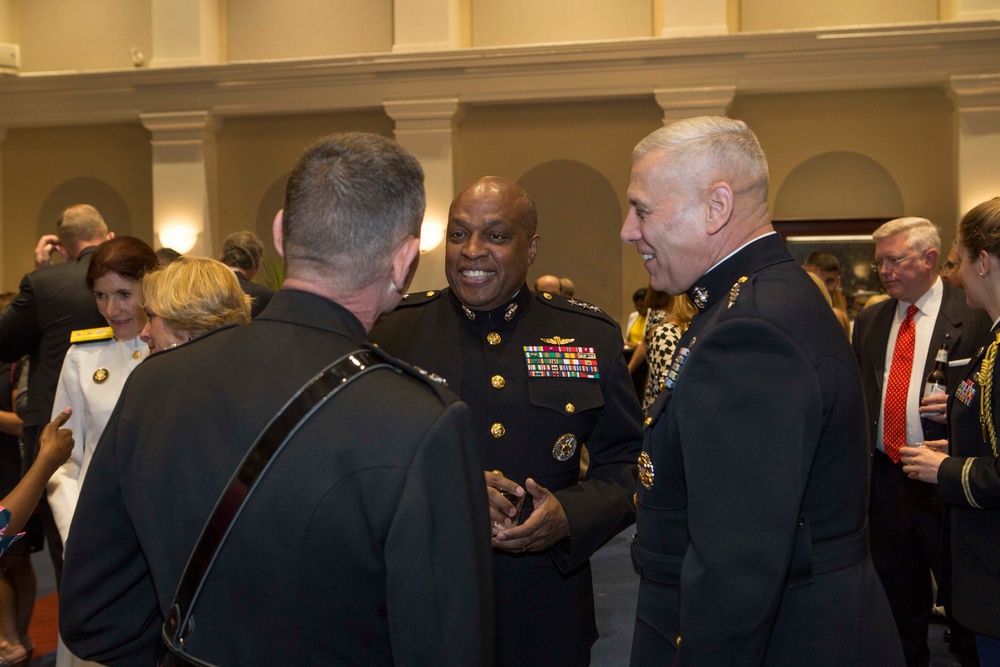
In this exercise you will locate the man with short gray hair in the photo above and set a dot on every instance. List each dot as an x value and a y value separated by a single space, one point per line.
242 252
896 343
750 511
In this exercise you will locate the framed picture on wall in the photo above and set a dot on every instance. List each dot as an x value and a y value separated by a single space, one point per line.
850 241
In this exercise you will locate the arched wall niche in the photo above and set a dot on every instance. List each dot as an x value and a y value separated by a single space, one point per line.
838 185
91 191
576 206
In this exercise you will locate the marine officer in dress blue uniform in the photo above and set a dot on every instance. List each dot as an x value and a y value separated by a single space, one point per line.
544 376
752 540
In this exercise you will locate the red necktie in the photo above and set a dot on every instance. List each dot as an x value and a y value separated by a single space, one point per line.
894 414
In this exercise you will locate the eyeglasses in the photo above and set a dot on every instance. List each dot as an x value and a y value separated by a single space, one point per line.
893 263
951 265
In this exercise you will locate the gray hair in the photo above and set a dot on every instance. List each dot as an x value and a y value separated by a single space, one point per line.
242 250
710 140
921 233
350 201
80 223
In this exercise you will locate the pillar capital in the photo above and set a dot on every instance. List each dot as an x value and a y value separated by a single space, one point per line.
680 103
180 127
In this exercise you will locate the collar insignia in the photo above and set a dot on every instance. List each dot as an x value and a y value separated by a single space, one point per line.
734 291
700 297
509 314
468 313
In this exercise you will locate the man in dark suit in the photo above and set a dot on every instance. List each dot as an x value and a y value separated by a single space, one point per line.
752 544
544 375
53 301
366 540
242 252
906 514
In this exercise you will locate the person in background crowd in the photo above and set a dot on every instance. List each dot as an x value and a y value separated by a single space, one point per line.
166 255
751 539
55 445
544 375
189 298
896 343
53 301
667 319
366 539
635 327
950 272
566 287
242 252
547 283
841 315
968 475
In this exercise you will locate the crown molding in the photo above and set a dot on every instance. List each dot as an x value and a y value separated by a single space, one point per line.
873 57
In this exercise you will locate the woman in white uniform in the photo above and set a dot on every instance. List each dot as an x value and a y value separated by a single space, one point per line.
95 369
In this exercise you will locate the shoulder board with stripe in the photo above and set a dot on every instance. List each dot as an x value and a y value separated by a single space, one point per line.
91 335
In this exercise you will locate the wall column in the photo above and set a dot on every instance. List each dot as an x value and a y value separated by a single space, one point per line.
426 128
683 18
186 32
977 139
970 10
681 103
430 25
185 183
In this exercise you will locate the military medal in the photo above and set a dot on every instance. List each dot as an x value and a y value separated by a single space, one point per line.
646 470
966 392
561 361
101 375
565 447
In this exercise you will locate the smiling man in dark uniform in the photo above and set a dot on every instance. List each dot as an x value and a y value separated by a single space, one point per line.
752 539
544 376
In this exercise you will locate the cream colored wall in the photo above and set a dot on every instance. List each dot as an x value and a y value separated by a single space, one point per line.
37 161
529 22
511 140
908 132
254 154
790 14
264 29
61 35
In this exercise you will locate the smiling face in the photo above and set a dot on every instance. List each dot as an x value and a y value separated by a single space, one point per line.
158 335
489 247
116 300
667 223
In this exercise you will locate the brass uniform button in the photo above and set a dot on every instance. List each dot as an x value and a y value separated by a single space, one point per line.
678 642
498 382
429 294
635 499
570 408
498 430
136 354
547 296
493 338
649 420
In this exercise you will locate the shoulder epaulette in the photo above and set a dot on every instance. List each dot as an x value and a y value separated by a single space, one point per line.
91 335
419 298
572 305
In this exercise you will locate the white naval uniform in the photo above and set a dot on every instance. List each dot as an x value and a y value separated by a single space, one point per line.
92 404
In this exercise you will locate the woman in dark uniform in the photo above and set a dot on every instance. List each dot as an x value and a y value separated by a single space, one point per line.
969 478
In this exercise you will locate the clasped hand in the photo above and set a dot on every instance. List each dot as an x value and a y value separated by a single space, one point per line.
546 526
922 463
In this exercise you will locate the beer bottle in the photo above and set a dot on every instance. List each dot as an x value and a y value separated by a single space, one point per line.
937 379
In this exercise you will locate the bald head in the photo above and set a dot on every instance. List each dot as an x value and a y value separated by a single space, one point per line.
518 203
547 283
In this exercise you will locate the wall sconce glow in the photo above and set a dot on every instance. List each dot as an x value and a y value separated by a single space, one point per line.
431 234
180 237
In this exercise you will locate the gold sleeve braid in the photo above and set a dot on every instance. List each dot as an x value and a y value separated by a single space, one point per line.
986 395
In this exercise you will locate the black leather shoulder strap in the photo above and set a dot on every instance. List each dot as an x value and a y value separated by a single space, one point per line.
269 443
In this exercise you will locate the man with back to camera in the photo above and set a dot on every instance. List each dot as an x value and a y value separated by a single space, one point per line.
242 252
751 508
53 301
547 283
544 375
366 540
896 343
